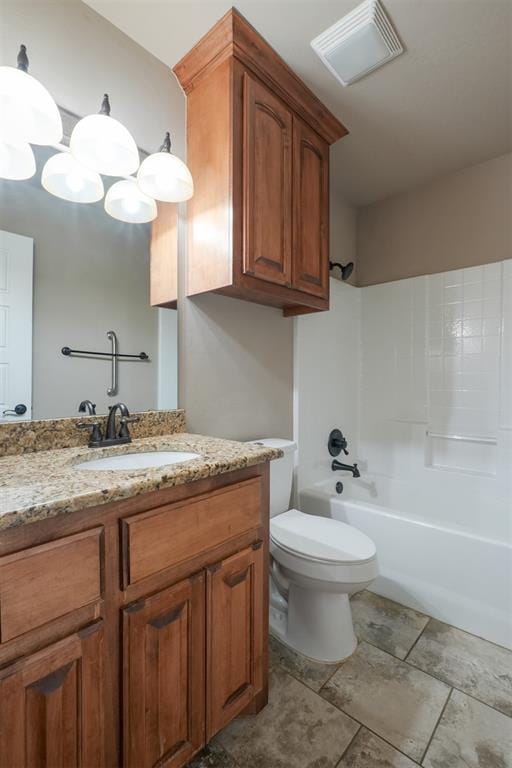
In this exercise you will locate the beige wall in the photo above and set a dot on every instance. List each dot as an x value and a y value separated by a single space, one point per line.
236 366
461 220
343 234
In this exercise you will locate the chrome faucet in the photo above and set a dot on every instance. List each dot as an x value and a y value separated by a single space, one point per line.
112 436
347 467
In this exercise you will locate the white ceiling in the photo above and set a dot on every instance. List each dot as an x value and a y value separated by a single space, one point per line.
443 105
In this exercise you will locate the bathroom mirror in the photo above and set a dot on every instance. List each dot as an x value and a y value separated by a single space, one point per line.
70 274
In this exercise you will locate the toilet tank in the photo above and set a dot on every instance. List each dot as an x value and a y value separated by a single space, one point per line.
281 474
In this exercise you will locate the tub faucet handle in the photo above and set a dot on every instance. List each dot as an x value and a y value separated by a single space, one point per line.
337 443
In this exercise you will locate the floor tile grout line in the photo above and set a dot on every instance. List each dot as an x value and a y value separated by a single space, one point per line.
390 600
460 690
417 640
436 726
348 745
374 733
405 661
326 701
363 725
379 648
430 674
433 618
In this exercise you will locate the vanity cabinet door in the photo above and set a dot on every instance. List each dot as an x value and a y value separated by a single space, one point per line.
235 632
163 689
51 705
311 211
267 185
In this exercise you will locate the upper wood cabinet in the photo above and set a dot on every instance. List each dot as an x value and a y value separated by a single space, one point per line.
258 150
311 211
267 185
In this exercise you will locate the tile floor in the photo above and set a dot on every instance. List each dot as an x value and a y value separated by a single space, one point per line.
415 692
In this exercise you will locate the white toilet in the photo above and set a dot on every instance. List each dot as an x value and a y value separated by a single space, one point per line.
316 564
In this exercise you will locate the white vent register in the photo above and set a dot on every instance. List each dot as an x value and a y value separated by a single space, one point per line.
358 43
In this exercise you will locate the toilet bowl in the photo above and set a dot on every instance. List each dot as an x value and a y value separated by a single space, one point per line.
316 563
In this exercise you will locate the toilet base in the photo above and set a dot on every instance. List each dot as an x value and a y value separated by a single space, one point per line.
316 624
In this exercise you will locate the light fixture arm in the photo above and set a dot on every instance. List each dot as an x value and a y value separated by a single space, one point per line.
105 106
166 145
22 58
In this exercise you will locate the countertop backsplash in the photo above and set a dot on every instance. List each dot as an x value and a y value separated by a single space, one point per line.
19 437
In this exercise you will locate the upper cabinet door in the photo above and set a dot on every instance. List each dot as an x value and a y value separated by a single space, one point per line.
163 690
311 211
267 185
236 632
51 705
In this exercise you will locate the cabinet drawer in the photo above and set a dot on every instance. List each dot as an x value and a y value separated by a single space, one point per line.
43 583
171 534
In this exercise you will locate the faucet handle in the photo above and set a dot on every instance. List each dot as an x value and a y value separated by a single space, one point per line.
125 420
337 442
94 426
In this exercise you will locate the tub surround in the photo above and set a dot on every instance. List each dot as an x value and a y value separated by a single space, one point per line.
45 484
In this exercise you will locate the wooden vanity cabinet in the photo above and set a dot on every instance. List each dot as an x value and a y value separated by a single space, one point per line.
235 631
52 705
153 652
258 150
164 676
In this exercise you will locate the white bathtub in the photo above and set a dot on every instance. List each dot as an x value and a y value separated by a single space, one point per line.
456 576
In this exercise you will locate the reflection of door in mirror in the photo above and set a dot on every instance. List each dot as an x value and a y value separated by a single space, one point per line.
16 280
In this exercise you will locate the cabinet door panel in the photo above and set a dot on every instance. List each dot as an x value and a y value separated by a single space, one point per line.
311 211
164 653
267 185
235 631
51 705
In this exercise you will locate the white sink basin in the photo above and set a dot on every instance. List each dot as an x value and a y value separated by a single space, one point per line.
127 461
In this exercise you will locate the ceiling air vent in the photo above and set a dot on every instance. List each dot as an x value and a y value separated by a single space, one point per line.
358 43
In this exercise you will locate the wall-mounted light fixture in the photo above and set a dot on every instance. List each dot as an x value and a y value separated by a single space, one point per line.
164 176
63 176
99 144
17 161
125 201
103 144
29 113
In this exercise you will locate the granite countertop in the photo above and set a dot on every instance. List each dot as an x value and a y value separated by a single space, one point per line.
44 484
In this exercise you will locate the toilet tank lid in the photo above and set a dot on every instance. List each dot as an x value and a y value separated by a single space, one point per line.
287 446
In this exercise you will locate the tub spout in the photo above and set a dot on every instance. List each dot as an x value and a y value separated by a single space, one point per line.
347 467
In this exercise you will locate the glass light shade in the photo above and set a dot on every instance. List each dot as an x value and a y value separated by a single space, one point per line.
103 144
165 177
17 161
125 201
65 177
28 110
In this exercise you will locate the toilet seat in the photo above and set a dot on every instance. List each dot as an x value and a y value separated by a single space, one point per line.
320 539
